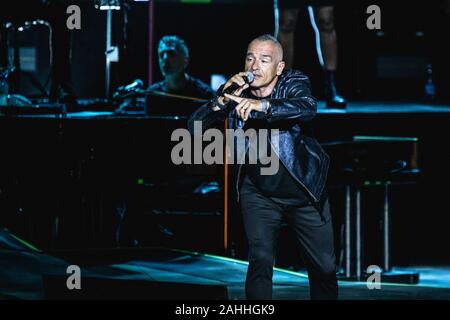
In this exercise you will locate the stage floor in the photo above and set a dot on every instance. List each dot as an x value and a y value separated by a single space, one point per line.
374 107
22 268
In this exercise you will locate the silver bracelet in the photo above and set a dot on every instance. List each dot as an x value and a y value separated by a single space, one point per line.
265 105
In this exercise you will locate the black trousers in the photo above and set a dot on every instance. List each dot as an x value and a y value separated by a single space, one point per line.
263 218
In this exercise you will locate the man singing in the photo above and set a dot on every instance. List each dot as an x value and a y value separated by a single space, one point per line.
278 99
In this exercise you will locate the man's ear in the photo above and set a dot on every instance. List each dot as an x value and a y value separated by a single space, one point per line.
280 67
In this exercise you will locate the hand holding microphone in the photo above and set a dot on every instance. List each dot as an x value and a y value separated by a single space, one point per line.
236 84
233 89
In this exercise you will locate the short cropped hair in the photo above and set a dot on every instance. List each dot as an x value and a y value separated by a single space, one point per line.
270 38
174 42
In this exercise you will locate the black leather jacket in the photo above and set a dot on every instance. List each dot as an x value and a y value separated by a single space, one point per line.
291 107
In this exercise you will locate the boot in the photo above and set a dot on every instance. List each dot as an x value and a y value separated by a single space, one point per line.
333 98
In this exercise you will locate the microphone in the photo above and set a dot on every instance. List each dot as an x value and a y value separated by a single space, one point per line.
136 84
248 78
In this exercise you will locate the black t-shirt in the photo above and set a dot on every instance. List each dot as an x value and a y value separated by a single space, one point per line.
161 105
281 186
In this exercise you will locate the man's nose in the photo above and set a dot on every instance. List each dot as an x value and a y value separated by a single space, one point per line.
254 66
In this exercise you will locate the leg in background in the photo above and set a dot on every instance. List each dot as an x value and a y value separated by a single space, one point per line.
324 17
286 34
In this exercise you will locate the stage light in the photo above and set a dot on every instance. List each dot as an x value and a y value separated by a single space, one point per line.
107 4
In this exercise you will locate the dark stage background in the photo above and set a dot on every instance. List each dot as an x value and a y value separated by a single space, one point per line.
387 65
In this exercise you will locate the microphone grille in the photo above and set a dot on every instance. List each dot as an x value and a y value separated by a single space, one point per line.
250 77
